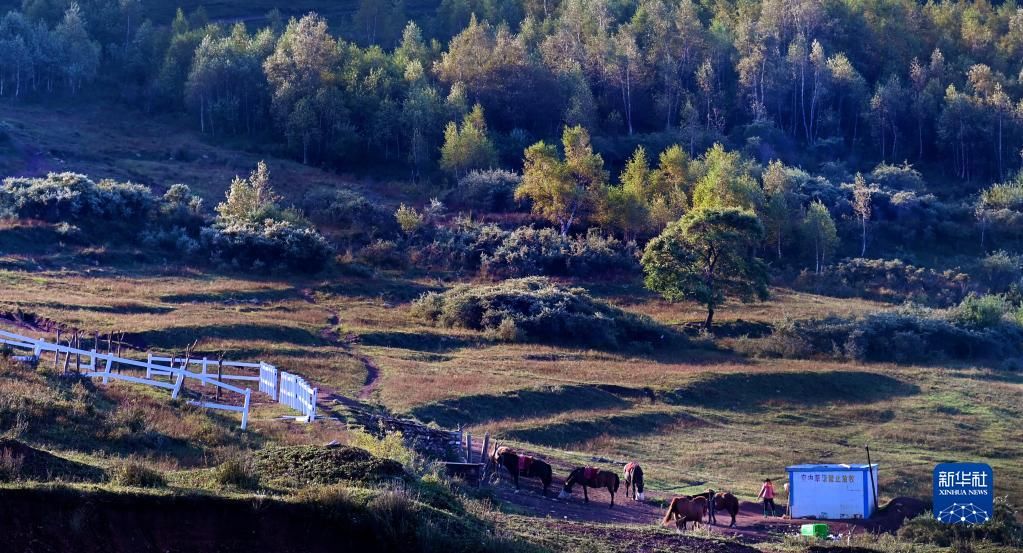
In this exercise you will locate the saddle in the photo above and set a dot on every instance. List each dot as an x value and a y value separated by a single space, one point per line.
589 473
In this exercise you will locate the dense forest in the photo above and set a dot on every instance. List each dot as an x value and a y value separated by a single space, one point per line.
934 83
856 129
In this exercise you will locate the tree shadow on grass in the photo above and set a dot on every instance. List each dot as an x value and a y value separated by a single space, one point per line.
395 290
564 433
531 402
180 337
258 295
419 341
754 392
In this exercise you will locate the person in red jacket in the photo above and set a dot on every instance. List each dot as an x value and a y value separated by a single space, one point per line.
767 493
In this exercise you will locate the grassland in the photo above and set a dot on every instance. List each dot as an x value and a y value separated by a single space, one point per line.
696 416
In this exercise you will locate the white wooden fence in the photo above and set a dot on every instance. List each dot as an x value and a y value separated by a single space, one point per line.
268 382
290 389
296 393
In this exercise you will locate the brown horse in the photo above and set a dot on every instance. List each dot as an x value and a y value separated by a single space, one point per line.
591 478
686 509
633 476
524 465
724 501
720 501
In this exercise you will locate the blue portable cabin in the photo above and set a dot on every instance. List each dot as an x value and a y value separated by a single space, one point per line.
832 491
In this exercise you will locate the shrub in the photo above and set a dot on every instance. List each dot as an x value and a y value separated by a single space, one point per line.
237 472
529 251
383 254
887 280
351 214
137 473
897 177
906 336
490 190
275 245
10 465
541 311
1000 270
981 311
390 446
70 197
460 247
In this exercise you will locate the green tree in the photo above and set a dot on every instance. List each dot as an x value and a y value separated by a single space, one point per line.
468 147
819 231
249 201
706 257
726 181
778 211
626 207
562 191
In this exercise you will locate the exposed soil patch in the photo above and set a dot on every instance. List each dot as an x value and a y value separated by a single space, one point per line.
751 524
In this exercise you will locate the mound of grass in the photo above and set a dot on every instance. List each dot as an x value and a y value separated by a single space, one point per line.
137 474
19 461
538 310
303 465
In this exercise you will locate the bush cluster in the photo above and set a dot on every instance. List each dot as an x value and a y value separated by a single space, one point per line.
302 465
530 251
888 280
350 214
487 190
536 309
274 245
136 473
968 333
70 197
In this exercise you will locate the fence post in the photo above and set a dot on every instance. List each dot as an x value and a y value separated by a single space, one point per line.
484 451
110 361
149 365
203 372
245 413
177 385
312 408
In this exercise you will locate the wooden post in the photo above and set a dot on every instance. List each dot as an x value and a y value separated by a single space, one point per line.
78 356
220 372
110 342
56 352
468 447
484 451
120 342
67 356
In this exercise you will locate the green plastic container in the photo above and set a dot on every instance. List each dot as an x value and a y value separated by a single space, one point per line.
818 530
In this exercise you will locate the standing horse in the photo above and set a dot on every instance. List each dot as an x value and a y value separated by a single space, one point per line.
525 465
724 501
633 476
588 477
686 509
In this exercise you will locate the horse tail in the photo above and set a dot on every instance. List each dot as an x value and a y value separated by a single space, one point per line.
618 482
671 509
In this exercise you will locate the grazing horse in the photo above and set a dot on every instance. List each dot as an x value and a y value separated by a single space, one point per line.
686 509
588 477
633 476
524 465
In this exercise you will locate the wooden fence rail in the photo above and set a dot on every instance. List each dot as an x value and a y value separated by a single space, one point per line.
296 393
290 389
